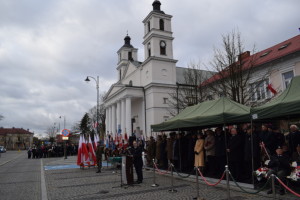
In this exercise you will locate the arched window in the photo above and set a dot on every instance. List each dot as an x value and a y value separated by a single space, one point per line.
163 47
149 49
148 26
161 24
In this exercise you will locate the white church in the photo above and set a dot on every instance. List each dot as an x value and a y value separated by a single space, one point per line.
139 98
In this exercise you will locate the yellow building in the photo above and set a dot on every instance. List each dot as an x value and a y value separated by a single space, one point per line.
15 138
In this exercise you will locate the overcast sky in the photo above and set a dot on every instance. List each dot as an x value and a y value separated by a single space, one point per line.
47 48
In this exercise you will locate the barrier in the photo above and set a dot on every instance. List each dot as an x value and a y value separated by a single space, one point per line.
154 177
182 176
211 184
172 190
158 170
287 188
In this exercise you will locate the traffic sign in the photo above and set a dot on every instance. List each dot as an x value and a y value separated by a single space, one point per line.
65 132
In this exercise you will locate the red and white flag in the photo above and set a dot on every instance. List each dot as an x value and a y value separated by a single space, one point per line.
96 140
91 150
79 154
270 87
85 153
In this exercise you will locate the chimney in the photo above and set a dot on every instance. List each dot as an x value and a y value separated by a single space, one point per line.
244 55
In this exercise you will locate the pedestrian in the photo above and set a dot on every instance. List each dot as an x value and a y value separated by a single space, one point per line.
199 152
235 153
220 151
29 152
209 146
136 153
99 152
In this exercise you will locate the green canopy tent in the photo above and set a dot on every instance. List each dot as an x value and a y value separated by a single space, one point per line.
286 105
210 113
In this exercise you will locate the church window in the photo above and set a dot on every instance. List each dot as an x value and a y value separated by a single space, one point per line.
149 49
162 48
130 83
148 24
165 100
130 55
120 74
161 24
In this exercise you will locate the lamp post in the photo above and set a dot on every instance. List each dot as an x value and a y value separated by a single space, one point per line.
97 88
65 142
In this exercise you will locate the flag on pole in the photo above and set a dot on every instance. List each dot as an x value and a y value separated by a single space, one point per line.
85 153
92 155
269 87
79 155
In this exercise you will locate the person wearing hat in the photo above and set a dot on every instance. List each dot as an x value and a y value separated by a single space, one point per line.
99 152
279 165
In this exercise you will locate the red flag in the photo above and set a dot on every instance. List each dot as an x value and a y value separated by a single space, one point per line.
269 87
79 155
92 155
85 153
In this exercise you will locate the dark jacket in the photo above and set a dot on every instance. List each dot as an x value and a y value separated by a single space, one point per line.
279 162
137 156
247 147
220 146
235 144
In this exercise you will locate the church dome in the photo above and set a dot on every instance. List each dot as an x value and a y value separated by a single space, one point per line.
127 42
156 6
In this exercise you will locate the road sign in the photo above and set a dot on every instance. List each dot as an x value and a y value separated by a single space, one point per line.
65 132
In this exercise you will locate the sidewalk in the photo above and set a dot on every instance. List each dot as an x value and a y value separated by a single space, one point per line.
75 183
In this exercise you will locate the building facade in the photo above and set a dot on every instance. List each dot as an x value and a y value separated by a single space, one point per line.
15 138
140 96
271 71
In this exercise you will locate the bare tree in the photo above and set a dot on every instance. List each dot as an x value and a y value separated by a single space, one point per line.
51 132
93 116
233 67
189 91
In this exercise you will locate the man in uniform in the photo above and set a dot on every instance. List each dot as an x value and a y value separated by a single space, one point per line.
280 166
136 153
99 152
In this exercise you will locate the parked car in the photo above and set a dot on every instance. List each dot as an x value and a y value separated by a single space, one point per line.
2 149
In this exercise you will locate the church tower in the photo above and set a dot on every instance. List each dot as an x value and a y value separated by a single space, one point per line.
126 54
158 47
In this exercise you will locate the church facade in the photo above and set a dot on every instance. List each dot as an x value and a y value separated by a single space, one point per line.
139 98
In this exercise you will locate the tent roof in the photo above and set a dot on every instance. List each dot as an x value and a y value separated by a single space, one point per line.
209 113
287 104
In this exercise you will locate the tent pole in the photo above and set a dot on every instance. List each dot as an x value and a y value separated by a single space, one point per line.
252 153
225 144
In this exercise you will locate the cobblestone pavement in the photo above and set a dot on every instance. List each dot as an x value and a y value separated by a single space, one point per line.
19 177
86 184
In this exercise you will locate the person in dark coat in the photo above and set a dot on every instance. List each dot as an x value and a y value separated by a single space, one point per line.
136 153
265 137
151 146
293 138
163 154
158 150
99 152
235 156
248 152
29 152
279 165
220 151
170 142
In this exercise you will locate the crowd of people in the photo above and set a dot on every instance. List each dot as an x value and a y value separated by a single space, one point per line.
212 150
46 151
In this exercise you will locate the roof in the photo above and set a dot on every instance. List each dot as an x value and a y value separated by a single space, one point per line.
4 131
273 53
180 73
208 113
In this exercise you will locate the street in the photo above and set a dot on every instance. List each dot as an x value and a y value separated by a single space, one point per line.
60 178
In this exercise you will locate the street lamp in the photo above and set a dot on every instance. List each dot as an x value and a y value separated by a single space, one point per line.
65 142
97 88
